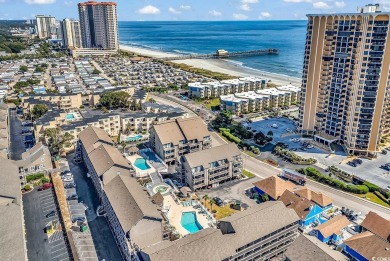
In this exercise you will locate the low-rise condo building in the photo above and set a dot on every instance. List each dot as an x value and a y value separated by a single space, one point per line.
261 232
211 167
13 241
172 139
37 159
110 123
215 89
142 122
257 101
133 218
61 101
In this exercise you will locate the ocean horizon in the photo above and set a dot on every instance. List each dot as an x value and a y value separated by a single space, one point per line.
194 37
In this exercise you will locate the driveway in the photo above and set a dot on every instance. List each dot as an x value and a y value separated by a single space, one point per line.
16 145
234 190
103 239
37 204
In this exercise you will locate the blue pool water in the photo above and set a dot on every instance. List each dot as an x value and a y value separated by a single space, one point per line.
190 223
141 164
70 116
151 156
133 138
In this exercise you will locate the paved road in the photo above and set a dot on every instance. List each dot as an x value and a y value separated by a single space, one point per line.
263 170
37 204
103 239
340 198
16 146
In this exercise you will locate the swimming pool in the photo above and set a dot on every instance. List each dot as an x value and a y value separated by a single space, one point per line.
189 222
151 156
141 164
134 138
70 116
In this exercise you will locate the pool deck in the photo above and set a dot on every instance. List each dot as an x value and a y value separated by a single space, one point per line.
140 172
175 212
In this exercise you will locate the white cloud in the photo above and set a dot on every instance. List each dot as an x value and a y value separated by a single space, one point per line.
340 4
240 17
174 11
385 4
68 3
297 1
249 1
245 7
185 7
215 13
264 15
321 5
39 2
149 9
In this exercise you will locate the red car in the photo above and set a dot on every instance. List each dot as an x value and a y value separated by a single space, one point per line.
45 186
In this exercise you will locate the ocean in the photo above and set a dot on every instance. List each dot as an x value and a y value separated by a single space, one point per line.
207 37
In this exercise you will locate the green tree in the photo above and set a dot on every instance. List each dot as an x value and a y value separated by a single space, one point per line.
23 68
152 100
212 202
57 141
270 133
205 198
39 110
96 71
39 69
116 99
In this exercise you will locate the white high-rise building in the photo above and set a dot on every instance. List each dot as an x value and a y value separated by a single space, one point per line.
46 26
71 33
99 25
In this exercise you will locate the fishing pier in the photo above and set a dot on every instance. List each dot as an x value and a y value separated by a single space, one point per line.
221 54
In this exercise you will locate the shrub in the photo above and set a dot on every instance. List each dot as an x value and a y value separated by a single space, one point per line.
382 197
214 211
32 177
372 187
45 180
27 187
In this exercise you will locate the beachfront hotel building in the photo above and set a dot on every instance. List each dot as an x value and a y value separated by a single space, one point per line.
46 26
99 25
211 167
215 89
260 100
71 33
345 83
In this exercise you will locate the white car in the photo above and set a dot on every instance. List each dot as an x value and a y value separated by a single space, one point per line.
68 179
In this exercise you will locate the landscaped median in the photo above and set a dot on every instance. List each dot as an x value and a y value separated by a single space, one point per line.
292 157
365 190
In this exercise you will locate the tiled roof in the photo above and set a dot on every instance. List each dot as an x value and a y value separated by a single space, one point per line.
369 245
377 225
333 226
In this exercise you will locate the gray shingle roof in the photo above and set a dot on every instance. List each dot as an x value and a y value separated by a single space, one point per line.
130 202
211 244
92 135
205 157
12 244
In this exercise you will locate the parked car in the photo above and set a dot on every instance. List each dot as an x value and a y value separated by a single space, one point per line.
218 201
81 219
51 214
45 186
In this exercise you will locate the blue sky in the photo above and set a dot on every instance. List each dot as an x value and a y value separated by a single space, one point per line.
160 10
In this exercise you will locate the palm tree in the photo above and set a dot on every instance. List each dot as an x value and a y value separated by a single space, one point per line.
212 201
205 197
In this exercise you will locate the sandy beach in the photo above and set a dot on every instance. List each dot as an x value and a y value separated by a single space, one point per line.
220 66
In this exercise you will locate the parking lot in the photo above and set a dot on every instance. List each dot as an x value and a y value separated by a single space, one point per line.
234 190
99 235
369 169
37 205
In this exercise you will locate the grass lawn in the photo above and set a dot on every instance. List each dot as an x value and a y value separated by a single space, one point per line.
211 103
250 154
222 212
374 198
248 174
